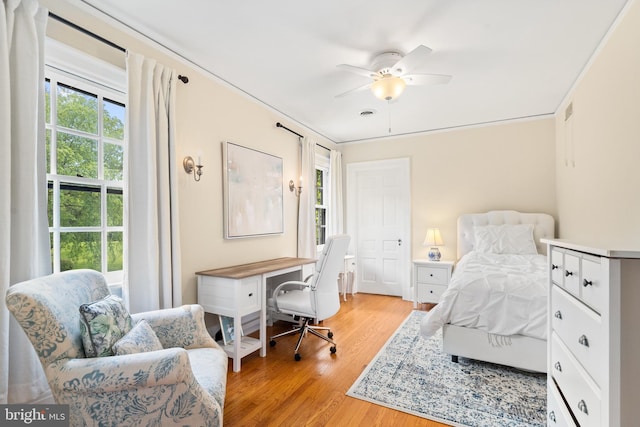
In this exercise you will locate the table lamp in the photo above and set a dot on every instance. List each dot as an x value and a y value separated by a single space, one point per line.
433 239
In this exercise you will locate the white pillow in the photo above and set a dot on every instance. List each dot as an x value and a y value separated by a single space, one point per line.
139 339
505 239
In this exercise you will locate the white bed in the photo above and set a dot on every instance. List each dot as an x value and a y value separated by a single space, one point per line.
495 306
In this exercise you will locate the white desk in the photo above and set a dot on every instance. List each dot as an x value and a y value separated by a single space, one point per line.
241 290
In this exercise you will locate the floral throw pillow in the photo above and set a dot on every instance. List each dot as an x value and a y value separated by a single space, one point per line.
102 323
139 339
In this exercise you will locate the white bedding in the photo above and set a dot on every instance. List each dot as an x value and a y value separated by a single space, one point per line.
498 293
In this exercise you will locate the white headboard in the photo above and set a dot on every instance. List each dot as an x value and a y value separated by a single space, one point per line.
544 227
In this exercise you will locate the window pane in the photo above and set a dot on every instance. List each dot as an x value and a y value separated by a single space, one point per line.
321 222
80 250
48 149
114 207
77 109
113 162
50 203
79 206
319 196
113 119
114 251
47 101
77 156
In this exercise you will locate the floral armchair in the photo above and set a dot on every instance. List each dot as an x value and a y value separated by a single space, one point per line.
184 383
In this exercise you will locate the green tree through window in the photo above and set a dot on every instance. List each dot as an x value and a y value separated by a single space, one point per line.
85 150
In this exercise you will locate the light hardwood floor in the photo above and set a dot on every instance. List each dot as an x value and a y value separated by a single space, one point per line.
278 391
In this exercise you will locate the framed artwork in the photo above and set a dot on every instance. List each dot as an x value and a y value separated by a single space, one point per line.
227 329
253 192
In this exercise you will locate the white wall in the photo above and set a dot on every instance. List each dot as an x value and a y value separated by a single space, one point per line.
504 166
598 154
208 112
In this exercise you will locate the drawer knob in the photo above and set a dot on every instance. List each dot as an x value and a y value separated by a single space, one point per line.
586 283
558 315
583 340
554 267
558 367
568 273
583 406
552 416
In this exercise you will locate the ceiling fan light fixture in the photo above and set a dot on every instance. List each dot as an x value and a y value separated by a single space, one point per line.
388 87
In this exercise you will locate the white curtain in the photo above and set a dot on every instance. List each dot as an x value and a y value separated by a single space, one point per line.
335 223
152 254
24 232
307 207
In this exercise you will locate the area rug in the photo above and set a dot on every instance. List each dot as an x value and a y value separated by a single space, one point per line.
412 374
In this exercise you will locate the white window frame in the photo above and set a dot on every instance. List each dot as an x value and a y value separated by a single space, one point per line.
323 164
74 68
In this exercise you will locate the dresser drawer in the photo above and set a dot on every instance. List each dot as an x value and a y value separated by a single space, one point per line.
430 293
572 273
580 392
580 328
557 267
557 413
432 275
593 290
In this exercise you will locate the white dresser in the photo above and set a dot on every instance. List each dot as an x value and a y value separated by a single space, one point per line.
594 336
430 280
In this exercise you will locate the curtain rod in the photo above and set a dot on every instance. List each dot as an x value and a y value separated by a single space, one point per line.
183 79
280 125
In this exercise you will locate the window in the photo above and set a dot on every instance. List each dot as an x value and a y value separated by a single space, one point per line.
323 197
321 205
85 141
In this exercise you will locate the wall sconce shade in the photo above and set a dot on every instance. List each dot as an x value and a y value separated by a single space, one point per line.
190 166
388 87
433 239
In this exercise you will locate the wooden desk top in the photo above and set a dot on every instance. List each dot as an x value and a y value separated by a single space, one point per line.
256 268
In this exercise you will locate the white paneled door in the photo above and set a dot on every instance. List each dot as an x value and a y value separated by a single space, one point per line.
378 218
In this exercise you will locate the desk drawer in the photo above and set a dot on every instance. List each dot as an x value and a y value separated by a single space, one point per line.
581 394
249 299
432 275
580 328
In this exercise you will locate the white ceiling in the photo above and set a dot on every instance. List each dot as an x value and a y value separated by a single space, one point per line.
509 58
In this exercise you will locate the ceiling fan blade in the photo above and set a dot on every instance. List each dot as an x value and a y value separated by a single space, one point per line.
411 60
367 86
360 71
426 79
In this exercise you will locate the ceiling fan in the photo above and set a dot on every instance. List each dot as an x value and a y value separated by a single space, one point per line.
391 73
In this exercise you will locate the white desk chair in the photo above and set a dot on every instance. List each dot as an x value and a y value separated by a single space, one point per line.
318 298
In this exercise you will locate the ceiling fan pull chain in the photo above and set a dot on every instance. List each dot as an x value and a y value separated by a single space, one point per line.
389 114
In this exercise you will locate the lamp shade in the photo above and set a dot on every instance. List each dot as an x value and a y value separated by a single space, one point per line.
388 87
433 237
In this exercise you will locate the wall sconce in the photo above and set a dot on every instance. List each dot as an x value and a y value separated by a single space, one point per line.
294 189
189 165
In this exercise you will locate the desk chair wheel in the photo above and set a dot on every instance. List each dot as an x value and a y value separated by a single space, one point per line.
272 343
330 334
333 349
297 357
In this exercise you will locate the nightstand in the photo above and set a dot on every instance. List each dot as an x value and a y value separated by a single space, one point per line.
430 279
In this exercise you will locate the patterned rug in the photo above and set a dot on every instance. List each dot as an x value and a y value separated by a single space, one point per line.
412 374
